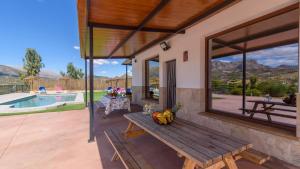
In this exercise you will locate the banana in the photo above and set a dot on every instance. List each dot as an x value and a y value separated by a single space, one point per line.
162 119
169 116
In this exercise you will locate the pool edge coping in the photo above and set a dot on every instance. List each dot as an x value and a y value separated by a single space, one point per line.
78 100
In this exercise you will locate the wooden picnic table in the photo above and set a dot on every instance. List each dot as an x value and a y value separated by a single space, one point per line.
201 146
267 107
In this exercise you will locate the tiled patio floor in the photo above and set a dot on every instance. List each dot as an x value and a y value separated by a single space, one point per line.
59 140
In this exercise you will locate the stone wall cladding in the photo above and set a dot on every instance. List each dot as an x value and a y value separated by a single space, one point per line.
137 94
188 97
278 146
192 100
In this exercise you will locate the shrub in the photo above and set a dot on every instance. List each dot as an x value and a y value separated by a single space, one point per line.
292 89
274 88
219 87
236 91
253 92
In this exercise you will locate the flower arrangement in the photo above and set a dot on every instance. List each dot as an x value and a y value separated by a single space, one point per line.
176 108
114 92
148 109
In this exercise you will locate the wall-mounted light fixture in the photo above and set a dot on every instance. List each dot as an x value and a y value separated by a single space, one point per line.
185 56
164 45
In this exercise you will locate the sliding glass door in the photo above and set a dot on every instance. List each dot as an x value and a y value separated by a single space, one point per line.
252 70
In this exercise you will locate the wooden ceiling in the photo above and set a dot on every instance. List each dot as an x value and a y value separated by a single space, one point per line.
281 28
124 28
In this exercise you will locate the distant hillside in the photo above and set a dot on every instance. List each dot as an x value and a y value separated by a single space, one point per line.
233 70
11 72
6 71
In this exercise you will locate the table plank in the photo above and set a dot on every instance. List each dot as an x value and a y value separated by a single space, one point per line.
183 138
213 134
202 145
214 144
180 147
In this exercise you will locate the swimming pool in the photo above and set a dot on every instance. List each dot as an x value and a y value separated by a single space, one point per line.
41 100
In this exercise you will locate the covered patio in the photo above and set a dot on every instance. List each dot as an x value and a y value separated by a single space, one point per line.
139 30
132 27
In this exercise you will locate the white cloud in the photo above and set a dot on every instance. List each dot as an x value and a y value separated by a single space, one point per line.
103 72
226 61
101 61
284 55
76 47
129 72
273 57
114 62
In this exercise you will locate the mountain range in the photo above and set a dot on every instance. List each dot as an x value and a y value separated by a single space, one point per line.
12 72
9 72
233 70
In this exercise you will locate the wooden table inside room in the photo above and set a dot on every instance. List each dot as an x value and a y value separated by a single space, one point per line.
200 146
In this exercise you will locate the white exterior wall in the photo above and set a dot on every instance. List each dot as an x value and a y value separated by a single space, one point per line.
191 74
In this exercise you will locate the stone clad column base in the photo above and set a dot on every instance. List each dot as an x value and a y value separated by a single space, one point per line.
192 100
298 116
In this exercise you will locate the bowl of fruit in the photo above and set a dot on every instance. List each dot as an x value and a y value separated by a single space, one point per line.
163 118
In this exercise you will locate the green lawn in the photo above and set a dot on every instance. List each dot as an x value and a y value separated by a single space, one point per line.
97 96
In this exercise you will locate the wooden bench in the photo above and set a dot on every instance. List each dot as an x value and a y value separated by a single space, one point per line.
253 156
124 151
269 114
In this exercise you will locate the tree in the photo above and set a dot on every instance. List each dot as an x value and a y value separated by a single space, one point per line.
22 76
253 91
32 62
253 80
74 72
63 74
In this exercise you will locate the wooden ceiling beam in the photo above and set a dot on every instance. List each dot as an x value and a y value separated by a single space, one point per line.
266 33
225 44
150 45
123 27
187 25
207 13
262 47
158 8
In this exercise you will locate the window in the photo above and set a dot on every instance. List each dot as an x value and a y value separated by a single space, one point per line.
253 69
152 78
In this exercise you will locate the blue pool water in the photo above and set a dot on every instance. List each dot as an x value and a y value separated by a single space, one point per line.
41 100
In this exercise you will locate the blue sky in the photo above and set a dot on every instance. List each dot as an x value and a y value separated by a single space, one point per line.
273 57
49 26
